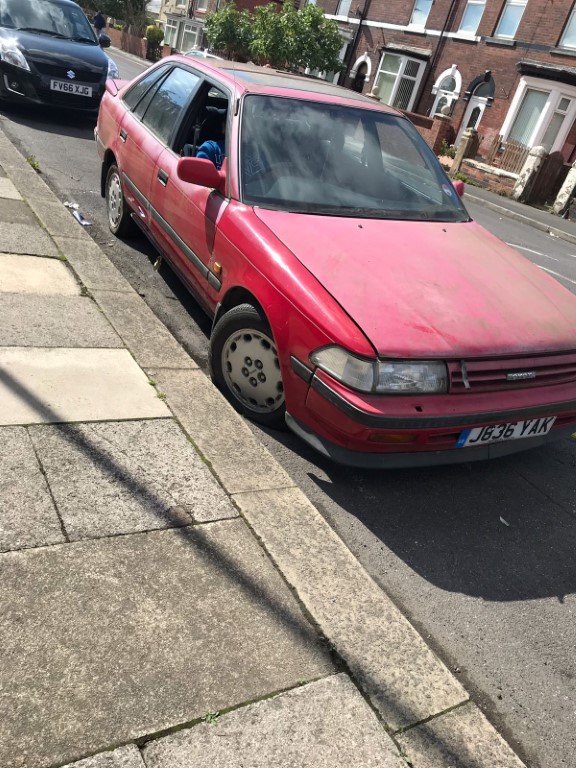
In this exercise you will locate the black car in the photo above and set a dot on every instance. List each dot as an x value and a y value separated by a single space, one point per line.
50 55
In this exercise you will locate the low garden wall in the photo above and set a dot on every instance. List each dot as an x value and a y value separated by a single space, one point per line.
127 42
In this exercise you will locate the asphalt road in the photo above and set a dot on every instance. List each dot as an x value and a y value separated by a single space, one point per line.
480 557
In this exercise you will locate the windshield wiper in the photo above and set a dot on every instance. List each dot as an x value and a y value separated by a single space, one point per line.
84 40
41 31
371 213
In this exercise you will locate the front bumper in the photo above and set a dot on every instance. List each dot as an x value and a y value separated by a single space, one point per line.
19 86
404 431
366 460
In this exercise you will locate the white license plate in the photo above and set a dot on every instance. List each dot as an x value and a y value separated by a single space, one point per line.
497 433
74 88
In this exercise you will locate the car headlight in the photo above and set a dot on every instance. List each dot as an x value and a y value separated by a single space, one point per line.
403 377
113 72
11 54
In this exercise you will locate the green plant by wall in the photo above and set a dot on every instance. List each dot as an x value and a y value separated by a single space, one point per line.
154 36
446 150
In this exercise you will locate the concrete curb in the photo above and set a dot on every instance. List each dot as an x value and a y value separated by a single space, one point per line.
407 685
540 225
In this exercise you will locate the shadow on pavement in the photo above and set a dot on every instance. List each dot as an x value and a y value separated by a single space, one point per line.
503 530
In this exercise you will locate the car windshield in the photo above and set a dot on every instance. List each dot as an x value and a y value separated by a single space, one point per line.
47 18
311 157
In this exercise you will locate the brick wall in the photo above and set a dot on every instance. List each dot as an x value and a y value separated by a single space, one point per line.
129 43
497 181
434 130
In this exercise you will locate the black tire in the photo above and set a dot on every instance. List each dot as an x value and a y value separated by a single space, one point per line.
244 366
119 219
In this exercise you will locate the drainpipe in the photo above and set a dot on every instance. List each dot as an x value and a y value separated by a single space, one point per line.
350 57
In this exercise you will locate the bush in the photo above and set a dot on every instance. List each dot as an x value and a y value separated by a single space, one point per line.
154 35
447 150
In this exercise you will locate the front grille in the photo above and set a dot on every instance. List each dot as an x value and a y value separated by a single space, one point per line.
515 373
58 72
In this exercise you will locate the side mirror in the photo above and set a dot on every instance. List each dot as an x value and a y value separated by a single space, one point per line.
459 187
104 41
197 170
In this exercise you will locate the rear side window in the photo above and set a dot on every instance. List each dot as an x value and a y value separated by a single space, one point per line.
169 101
142 87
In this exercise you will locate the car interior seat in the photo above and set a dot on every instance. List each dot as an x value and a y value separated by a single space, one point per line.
210 128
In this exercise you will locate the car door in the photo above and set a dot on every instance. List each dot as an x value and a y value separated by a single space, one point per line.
137 147
186 216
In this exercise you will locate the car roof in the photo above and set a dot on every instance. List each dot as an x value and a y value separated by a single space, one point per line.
267 80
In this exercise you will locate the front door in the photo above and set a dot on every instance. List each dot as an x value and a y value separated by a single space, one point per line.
472 115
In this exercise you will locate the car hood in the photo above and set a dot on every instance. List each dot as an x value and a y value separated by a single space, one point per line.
428 289
65 54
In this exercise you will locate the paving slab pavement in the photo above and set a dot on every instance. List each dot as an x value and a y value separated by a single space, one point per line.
164 568
133 635
40 386
323 724
122 477
41 277
28 517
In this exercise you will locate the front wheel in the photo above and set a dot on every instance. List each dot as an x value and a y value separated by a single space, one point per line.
245 367
119 219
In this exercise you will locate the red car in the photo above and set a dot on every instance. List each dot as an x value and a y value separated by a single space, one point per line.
352 296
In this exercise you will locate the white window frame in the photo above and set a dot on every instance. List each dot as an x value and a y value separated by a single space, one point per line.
343 8
451 96
180 3
170 32
201 5
556 92
510 4
415 25
196 29
570 27
400 74
469 4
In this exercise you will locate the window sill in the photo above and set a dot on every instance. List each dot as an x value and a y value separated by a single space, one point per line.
468 37
506 42
563 52
416 29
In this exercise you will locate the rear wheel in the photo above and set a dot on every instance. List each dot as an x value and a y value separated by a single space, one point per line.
245 367
119 219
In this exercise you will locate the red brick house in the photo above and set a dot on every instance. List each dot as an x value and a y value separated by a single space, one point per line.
504 67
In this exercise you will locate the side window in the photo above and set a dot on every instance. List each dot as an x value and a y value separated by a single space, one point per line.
133 96
169 101
205 120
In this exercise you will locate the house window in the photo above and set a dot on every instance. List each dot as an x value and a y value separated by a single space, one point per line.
191 37
170 32
201 5
397 80
420 13
568 39
472 16
528 116
180 3
510 18
343 8
556 123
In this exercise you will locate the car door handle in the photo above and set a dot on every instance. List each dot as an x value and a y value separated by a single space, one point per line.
163 177
123 134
